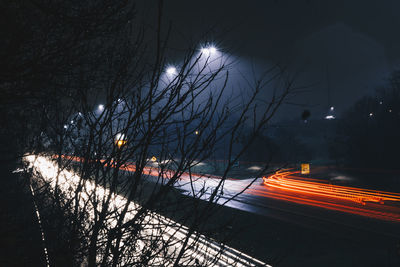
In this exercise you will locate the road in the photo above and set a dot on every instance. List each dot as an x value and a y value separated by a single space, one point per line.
287 193
157 230
368 218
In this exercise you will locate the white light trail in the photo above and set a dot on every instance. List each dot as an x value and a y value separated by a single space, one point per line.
199 248
329 117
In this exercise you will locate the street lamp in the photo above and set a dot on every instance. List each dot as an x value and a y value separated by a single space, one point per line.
120 140
212 50
209 50
171 70
100 107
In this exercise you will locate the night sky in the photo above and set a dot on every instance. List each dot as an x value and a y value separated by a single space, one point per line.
341 50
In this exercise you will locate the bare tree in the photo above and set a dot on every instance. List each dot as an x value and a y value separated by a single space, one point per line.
108 177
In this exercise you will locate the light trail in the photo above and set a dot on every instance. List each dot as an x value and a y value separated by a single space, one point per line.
286 180
287 186
166 231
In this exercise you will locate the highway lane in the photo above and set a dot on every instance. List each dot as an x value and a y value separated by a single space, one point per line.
288 196
298 221
157 229
368 203
309 202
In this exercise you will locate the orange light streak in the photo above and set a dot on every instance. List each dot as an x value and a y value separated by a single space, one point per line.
285 180
285 185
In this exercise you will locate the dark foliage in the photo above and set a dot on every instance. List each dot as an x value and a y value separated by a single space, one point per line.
368 133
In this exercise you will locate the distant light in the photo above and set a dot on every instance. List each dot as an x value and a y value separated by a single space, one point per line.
153 159
212 49
196 132
390 110
371 114
332 108
101 107
209 50
380 103
205 50
120 140
330 117
80 114
65 126
72 122
119 136
171 70
119 100
120 143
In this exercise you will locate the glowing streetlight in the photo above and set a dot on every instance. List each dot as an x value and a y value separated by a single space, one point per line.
371 114
196 132
212 49
100 107
153 159
209 50
332 108
120 140
171 71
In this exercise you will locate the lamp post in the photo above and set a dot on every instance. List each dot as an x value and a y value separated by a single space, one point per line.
120 140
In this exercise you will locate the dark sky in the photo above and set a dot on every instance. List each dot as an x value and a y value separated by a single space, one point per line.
344 49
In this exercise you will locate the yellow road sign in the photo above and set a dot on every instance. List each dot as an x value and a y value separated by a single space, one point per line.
305 168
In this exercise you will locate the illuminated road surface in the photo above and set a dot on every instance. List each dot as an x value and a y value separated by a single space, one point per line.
368 219
199 248
290 187
308 202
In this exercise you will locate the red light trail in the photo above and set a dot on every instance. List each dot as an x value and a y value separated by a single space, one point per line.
286 180
287 186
